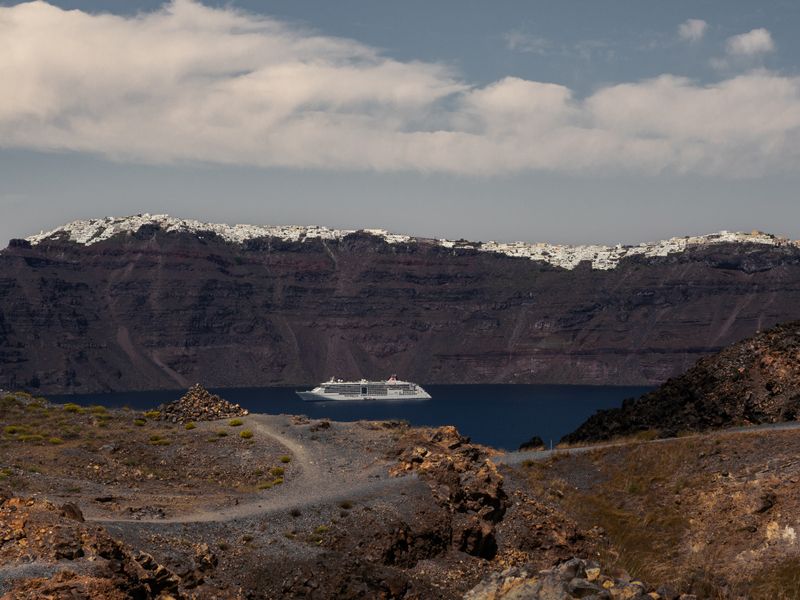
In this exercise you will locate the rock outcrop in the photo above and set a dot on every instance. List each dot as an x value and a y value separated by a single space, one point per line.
83 560
156 306
574 578
751 382
198 404
463 481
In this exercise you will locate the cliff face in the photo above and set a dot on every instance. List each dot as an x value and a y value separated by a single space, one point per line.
163 309
753 381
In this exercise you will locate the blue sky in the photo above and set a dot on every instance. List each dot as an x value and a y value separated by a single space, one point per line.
555 121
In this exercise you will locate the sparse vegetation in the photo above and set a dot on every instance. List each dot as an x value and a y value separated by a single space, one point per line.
235 422
277 471
628 502
152 415
139 422
246 434
71 407
15 429
779 581
285 459
189 426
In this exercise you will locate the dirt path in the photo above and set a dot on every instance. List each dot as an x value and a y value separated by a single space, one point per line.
318 479
516 458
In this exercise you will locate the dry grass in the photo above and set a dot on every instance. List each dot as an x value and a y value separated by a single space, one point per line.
779 581
633 502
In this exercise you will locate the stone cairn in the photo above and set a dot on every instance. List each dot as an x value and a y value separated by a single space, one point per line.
198 404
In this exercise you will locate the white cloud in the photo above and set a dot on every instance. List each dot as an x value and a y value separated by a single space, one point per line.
757 41
519 41
199 84
692 30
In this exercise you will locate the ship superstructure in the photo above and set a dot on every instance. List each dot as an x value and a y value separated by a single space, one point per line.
391 389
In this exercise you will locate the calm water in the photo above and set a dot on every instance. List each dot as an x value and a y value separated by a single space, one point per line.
503 416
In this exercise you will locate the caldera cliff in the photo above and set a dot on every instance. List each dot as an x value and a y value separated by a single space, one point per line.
154 302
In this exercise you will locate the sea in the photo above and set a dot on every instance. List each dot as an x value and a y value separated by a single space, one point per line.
502 416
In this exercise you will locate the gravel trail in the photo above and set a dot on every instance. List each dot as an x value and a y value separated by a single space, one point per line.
319 478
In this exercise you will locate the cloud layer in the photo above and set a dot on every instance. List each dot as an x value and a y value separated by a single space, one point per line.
193 83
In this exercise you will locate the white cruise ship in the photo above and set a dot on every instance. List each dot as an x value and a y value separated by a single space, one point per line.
391 389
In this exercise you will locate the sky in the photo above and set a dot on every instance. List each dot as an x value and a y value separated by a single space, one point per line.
614 121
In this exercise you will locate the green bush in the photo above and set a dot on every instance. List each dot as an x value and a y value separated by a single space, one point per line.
277 471
265 485
55 441
235 422
15 429
139 422
286 459
72 407
222 434
31 437
245 434
322 529
98 410
153 414
189 426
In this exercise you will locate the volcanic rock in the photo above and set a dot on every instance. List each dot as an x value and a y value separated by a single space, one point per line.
535 443
463 481
575 578
751 382
158 307
35 530
198 404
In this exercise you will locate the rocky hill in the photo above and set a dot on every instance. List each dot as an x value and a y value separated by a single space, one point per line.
152 302
753 381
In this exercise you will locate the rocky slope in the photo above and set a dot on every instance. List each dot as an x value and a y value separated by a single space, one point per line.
753 381
158 303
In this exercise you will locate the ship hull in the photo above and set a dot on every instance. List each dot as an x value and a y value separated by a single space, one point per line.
313 396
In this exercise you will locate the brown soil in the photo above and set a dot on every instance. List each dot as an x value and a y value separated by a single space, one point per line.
318 509
712 514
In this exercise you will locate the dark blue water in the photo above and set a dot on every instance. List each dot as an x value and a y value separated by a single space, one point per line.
503 416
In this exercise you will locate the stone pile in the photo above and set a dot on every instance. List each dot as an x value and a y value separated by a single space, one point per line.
198 404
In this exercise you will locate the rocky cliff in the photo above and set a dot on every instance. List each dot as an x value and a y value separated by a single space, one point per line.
754 381
153 302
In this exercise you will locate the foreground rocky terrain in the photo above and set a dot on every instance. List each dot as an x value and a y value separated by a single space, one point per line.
100 503
751 382
258 306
